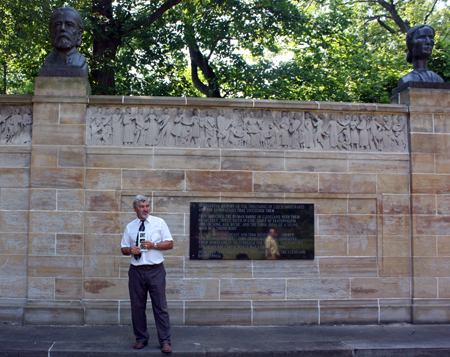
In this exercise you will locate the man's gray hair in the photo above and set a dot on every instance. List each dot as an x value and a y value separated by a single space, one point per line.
139 198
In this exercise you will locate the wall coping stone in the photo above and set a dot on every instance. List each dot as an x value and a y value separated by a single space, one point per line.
16 98
244 103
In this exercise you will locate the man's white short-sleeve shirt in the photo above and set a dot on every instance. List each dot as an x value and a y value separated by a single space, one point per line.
156 231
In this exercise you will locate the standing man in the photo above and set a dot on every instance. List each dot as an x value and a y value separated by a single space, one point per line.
147 272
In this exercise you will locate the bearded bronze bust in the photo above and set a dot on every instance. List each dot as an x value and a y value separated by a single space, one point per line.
66 30
420 43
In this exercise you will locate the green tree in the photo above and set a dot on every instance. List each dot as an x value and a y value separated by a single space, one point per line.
352 51
337 50
220 33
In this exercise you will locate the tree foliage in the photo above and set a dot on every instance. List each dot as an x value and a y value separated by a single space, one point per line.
219 33
353 51
338 50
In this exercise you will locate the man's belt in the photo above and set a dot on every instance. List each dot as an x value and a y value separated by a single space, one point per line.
148 267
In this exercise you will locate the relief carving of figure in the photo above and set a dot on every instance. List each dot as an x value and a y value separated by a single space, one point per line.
27 124
14 124
344 142
236 135
318 124
223 125
4 125
400 141
387 132
210 130
151 128
375 134
253 131
354 134
178 126
363 133
270 136
164 128
128 127
191 131
117 127
296 131
344 137
331 130
283 130
308 133
139 133
106 127
398 128
96 127
399 123
9 131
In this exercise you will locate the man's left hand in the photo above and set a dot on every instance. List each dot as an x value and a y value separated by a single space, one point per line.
146 244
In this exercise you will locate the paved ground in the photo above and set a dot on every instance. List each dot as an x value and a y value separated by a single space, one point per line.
116 341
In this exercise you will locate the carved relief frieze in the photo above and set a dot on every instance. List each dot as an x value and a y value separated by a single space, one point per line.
15 125
246 128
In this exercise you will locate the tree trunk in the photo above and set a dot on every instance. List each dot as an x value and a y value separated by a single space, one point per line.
199 61
4 79
108 38
105 44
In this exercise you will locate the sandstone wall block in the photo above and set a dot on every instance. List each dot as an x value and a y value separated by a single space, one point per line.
252 289
55 134
320 289
284 313
153 180
348 311
425 288
209 312
70 178
234 181
370 288
347 183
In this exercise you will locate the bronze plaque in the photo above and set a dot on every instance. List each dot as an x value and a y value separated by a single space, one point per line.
251 231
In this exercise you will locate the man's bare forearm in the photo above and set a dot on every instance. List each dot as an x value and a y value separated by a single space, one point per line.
126 251
166 245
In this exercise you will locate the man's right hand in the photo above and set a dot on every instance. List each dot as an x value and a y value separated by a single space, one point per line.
132 250
135 250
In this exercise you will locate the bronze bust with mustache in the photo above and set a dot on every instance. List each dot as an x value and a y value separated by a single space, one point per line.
420 43
66 29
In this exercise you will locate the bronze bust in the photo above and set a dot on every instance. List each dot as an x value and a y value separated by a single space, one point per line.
66 29
420 42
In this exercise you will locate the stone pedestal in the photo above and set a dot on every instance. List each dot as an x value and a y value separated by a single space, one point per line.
430 201
56 219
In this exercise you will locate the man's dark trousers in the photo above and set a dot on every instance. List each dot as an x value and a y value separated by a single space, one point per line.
154 281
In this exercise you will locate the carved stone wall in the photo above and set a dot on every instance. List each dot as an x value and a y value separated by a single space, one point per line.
381 244
236 128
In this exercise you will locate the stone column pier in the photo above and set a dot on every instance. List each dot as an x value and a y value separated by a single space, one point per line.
430 202
56 218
